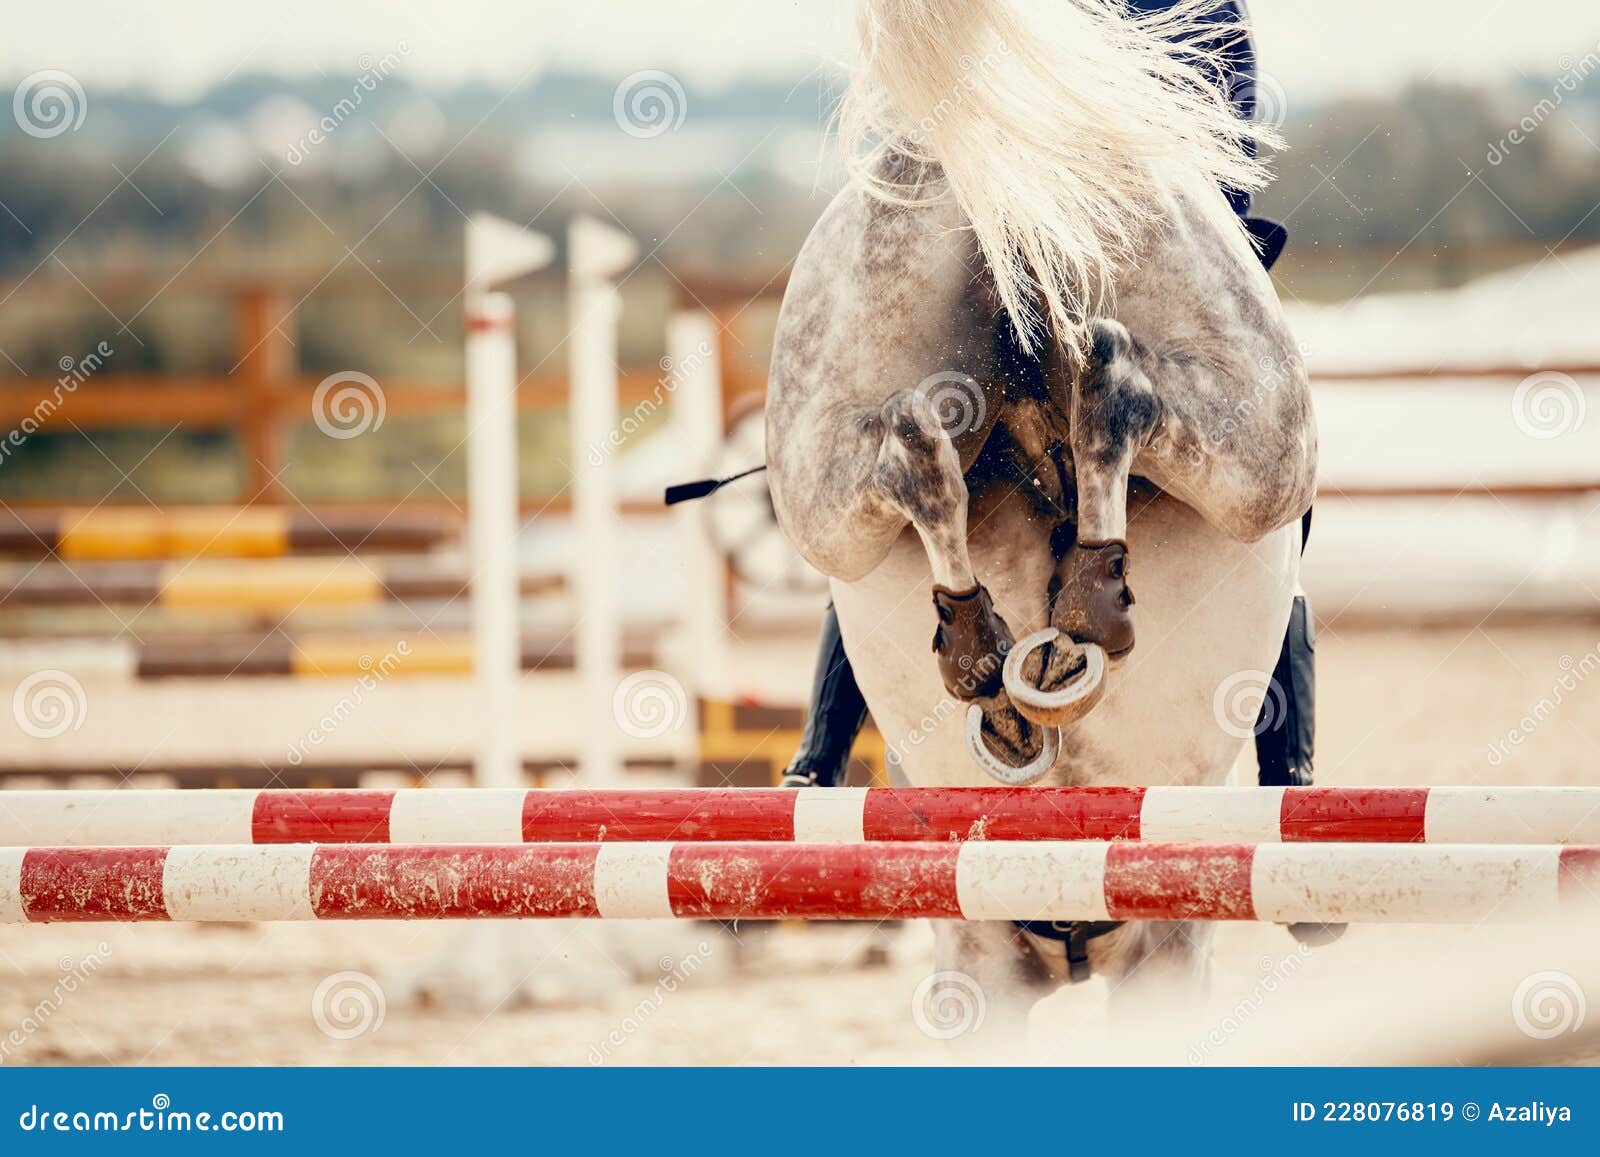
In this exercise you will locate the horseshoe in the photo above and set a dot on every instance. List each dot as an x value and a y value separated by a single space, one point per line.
1066 705
996 767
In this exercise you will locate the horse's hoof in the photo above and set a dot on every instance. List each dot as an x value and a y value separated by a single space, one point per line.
1065 705
1090 599
998 768
970 641
1317 935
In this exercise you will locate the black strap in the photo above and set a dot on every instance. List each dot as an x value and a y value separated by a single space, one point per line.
1075 934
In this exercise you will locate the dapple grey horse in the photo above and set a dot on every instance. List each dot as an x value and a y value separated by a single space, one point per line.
1029 358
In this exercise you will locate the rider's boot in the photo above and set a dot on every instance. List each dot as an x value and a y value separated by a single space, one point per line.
1286 728
834 718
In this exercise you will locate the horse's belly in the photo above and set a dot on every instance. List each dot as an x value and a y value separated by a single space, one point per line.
1210 619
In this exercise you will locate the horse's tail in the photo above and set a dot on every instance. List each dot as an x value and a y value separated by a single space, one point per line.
1050 119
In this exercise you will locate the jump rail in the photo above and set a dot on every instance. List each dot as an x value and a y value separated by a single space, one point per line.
978 880
238 532
268 583
1440 815
279 654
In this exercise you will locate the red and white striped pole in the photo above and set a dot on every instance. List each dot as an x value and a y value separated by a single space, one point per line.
1440 815
1042 880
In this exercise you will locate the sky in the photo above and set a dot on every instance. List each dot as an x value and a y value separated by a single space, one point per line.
1313 48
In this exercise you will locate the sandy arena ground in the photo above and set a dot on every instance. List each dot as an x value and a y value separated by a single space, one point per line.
1395 707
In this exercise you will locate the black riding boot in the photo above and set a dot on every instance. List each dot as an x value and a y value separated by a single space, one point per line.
1286 728
834 718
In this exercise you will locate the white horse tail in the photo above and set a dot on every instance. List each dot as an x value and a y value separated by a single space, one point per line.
1051 121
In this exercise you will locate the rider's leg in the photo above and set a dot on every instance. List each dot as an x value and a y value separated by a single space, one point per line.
1286 739
1286 728
834 717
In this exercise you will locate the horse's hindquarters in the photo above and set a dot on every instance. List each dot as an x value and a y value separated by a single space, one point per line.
1211 615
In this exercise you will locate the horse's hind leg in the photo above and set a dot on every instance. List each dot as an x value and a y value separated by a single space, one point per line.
1229 432
1231 438
1113 411
919 474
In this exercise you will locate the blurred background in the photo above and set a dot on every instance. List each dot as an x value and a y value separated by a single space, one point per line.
209 213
